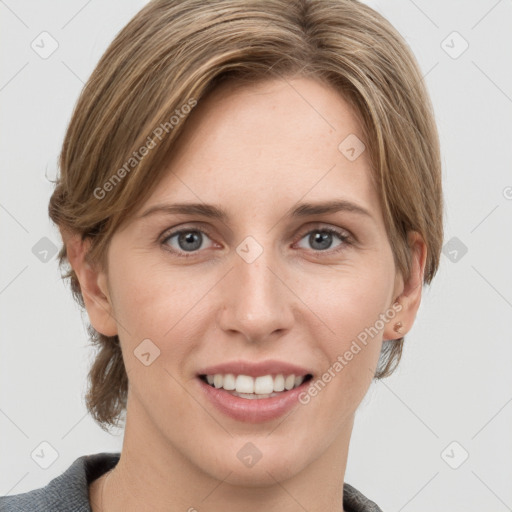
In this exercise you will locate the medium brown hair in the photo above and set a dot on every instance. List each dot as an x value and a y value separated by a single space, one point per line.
172 54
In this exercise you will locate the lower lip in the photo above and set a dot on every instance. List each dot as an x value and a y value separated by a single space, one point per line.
255 410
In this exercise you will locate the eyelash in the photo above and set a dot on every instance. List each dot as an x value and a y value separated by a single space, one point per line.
346 239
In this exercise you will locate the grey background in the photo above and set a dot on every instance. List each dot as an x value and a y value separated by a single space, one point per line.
454 383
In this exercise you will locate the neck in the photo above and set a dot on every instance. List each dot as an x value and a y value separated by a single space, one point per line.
156 475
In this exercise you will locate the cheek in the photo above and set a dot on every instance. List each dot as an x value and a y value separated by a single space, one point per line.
147 294
352 299
350 308
153 302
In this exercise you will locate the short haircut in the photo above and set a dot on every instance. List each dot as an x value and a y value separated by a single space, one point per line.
170 56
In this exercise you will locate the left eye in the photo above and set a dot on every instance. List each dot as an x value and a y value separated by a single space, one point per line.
191 240
322 238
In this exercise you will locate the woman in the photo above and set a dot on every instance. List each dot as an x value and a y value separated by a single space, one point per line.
292 145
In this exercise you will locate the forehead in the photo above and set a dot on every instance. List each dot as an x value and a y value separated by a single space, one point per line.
266 146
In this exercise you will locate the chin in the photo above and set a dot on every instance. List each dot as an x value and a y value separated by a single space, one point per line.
253 462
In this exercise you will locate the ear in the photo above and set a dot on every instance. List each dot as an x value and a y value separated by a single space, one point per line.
410 296
93 284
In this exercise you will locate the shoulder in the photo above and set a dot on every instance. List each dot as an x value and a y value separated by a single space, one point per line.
68 492
355 501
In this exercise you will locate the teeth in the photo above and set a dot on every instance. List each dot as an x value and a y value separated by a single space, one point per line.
245 386
253 396
264 385
229 382
279 383
289 382
218 380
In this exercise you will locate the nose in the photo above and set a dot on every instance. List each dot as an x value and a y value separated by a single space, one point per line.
255 299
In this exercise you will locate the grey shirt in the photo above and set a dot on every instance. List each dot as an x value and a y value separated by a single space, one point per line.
69 492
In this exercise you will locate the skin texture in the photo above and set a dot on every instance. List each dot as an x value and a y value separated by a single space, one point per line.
256 152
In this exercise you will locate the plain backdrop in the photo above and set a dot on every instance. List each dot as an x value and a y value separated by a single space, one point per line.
437 435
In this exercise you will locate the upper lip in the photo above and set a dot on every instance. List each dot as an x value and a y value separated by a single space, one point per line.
255 369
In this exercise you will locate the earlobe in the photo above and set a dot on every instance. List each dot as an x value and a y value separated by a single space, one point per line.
407 303
93 284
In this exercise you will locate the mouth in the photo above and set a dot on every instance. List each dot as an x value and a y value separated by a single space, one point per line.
255 387
254 391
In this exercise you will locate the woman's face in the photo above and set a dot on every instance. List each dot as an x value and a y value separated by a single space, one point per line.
261 284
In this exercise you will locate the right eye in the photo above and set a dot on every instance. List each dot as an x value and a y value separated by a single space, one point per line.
185 241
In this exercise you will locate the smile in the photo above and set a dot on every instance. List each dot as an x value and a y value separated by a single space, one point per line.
254 388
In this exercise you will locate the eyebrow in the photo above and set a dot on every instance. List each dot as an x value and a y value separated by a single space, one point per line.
215 212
